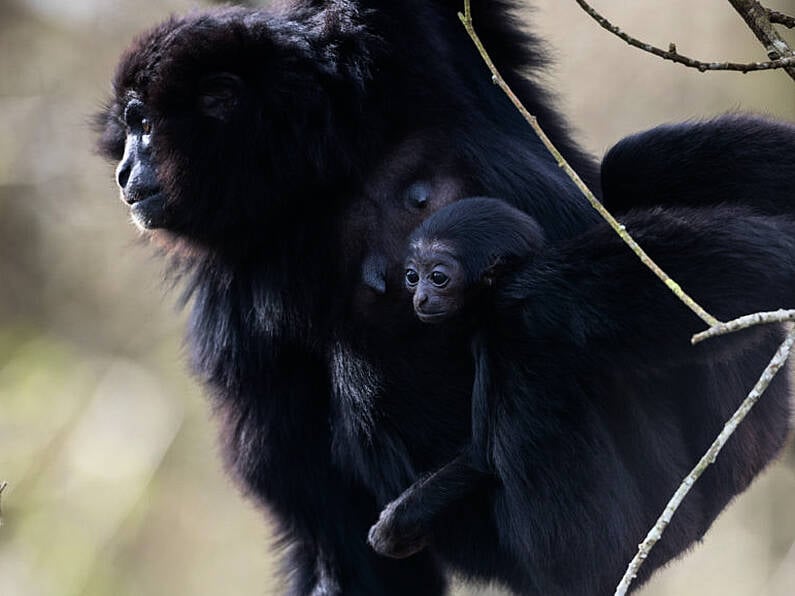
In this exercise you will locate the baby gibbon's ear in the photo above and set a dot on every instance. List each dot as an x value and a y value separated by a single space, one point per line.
493 271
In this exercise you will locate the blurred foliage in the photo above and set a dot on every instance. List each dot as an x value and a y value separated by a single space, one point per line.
115 485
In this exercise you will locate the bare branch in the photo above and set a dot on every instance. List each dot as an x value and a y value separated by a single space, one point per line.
466 19
3 486
674 56
778 360
757 19
759 318
779 18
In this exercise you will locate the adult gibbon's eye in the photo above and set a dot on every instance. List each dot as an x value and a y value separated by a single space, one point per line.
412 277
439 279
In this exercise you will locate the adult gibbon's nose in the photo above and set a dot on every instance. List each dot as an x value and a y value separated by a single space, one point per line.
123 173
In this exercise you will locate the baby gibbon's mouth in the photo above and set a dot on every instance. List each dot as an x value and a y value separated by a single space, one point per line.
432 317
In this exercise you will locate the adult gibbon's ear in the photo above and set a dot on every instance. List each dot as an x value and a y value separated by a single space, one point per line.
219 95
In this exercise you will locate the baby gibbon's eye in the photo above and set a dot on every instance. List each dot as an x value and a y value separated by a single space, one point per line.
439 279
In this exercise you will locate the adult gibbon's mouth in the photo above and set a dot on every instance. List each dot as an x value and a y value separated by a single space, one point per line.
149 213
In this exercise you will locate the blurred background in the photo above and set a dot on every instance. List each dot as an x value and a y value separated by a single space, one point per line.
114 479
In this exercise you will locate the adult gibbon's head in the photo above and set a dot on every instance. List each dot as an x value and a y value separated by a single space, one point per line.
221 119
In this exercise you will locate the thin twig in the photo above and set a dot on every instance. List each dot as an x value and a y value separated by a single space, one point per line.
619 228
759 318
674 56
758 21
778 360
779 18
3 486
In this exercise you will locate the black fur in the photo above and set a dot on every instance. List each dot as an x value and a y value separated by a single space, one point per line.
286 149
736 159
574 348
471 229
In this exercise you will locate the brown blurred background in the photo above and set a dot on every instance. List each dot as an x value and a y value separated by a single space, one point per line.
114 480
